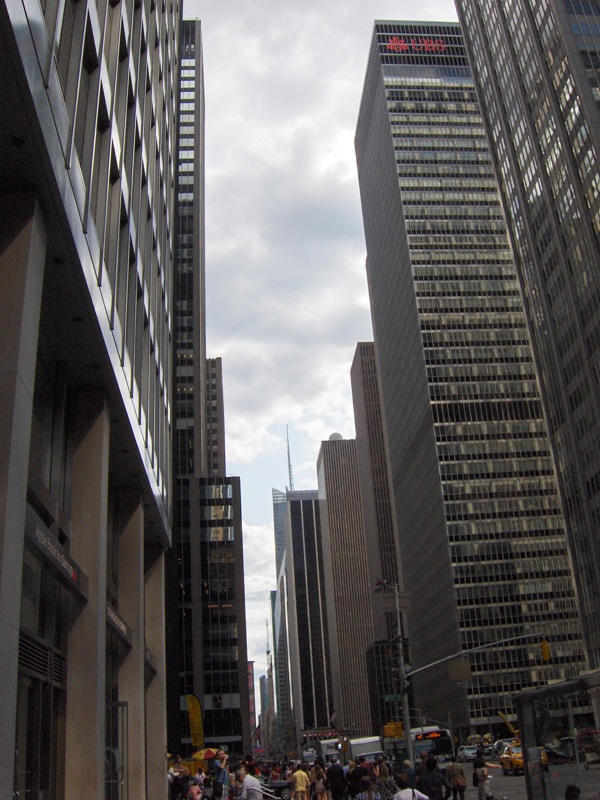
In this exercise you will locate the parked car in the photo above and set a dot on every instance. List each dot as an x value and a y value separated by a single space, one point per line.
467 752
500 744
280 789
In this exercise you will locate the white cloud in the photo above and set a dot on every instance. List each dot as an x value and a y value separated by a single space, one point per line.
287 295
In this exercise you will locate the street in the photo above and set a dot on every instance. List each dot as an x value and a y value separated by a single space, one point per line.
512 787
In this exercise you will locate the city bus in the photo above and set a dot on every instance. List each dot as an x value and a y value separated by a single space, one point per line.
435 741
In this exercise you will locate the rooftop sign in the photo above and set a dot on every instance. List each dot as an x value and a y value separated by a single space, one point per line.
415 44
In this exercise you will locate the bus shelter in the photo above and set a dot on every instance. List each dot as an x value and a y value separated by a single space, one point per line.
559 728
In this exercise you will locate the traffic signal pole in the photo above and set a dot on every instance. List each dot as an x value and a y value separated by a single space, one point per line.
380 584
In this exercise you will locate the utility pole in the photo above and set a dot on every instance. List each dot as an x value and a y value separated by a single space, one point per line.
381 584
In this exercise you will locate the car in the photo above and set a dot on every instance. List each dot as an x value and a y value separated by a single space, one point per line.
467 752
511 759
273 788
500 744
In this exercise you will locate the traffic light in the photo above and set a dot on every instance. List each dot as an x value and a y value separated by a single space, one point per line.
393 730
545 649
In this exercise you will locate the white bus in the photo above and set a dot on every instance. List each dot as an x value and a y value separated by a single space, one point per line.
435 741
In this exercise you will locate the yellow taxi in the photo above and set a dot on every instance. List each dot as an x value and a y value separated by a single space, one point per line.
511 759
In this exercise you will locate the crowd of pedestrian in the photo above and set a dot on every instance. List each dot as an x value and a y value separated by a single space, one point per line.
360 780
357 780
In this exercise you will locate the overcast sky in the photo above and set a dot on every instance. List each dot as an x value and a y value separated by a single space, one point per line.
287 296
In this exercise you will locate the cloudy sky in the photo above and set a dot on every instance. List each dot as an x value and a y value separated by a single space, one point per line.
286 287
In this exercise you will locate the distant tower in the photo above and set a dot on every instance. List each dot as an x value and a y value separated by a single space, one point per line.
290 473
268 706
348 601
306 573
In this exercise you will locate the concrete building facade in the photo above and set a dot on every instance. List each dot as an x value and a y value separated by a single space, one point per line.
347 588
86 226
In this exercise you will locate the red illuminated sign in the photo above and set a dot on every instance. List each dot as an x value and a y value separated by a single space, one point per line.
415 44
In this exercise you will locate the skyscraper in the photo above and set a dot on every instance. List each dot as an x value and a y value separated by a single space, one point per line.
381 537
383 561
537 68
309 637
207 653
482 538
347 588
221 628
87 137
183 604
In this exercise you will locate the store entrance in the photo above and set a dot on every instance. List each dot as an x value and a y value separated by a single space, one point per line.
40 740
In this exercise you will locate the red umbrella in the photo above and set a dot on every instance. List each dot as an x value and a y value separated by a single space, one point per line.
204 755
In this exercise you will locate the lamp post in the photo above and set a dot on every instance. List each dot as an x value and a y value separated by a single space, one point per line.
381 584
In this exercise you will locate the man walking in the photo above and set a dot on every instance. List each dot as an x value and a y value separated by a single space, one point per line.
336 780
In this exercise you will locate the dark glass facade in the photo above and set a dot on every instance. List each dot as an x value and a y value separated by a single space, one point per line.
482 537
205 603
225 698
189 437
537 67
310 666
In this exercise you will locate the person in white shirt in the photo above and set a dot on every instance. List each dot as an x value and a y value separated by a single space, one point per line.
405 792
251 786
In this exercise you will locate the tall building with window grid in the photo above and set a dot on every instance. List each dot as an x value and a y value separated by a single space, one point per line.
347 587
309 639
483 548
87 138
537 69
206 630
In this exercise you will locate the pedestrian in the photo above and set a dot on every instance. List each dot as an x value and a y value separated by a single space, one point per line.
421 767
336 780
572 792
251 787
481 767
174 776
409 771
367 792
318 777
384 783
405 790
432 783
354 777
457 779
300 783
221 779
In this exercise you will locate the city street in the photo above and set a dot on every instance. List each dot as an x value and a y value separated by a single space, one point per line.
512 787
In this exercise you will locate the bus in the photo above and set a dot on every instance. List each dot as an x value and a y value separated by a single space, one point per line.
435 741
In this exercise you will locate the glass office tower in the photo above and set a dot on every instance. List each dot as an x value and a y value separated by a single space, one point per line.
184 653
482 537
537 67
309 637
205 603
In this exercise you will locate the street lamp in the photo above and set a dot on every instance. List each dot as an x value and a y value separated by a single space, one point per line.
380 585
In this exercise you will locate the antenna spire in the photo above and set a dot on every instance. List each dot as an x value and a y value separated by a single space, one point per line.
291 474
